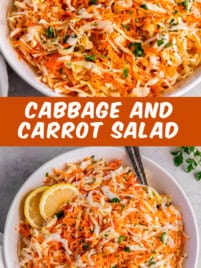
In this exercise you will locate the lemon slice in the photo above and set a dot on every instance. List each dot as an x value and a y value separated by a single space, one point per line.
31 207
54 198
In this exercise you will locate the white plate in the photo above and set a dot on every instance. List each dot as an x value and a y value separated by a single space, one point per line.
23 69
158 178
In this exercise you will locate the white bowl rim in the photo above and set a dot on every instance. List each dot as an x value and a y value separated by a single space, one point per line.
47 91
77 150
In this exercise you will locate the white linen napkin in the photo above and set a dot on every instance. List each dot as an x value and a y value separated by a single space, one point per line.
3 78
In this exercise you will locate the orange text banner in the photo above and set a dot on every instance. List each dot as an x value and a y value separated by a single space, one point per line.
100 121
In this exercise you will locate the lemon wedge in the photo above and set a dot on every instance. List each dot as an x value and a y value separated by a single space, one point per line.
31 207
54 198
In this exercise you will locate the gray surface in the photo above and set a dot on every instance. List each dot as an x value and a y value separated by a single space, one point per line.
17 163
20 88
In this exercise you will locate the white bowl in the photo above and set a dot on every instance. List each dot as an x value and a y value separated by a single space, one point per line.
26 73
158 178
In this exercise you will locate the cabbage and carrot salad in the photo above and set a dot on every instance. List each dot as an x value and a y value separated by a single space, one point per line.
114 222
108 48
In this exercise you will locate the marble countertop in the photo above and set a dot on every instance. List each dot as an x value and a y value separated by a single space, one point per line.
18 87
17 163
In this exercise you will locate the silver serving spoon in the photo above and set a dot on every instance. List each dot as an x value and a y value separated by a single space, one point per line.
136 161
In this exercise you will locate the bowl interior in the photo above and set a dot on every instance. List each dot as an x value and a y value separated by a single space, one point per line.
158 178
26 73
19 66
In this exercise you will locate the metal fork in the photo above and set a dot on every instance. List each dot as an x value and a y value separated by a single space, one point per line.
135 157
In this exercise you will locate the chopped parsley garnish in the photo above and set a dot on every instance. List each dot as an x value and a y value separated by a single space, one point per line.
137 49
86 246
144 6
160 42
198 176
163 237
126 26
178 157
185 4
169 44
50 32
106 235
93 2
125 72
90 57
114 266
151 261
190 157
115 200
65 39
191 164
173 23
59 214
121 239
46 174
127 249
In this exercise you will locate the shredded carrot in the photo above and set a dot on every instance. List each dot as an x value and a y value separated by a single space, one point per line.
132 48
114 222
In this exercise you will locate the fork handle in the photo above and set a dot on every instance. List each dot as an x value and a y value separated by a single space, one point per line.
136 161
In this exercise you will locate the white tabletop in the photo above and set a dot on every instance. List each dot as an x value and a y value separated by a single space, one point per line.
17 163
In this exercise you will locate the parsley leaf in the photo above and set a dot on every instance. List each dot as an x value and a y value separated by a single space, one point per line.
160 42
151 261
86 247
188 149
190 157
121 239
65 39
192 164
185 4
168 44
144 6
93 2
90 57
137 49
127 249
178 159
163 237
50 32
125 72
126 26
59 214
115 200
198 176
173 23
